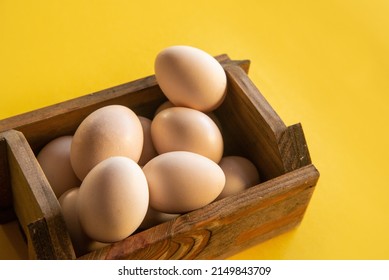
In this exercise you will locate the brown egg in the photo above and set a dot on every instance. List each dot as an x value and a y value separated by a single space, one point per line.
163 106
190 77
186 129
81 242
215 120
154 217
168 104
113 130
182 181
113 199
240 174
148 151
54 158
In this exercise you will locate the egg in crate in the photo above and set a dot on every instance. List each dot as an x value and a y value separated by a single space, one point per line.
113 199
182 181
54 159
186 129
81 242
190 77
148 150
240 174
113 130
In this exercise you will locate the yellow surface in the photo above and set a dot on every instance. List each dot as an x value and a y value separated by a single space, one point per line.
322 63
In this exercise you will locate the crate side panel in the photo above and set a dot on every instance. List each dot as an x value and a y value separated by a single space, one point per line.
34 199
250 126
293 148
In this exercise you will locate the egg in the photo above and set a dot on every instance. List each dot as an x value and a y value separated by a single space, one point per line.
163 106
190 77
54 159
113 199
182 181
240 174
81 242
148 151
154 217
113 130
186 129
168 104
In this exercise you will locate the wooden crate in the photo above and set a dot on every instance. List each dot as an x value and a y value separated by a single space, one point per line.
251 128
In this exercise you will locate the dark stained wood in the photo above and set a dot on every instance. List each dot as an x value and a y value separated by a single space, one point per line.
293 148
39 239
6 210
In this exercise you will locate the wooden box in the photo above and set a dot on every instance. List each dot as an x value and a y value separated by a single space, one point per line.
250 128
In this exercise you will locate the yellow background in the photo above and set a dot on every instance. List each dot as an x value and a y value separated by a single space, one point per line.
322 63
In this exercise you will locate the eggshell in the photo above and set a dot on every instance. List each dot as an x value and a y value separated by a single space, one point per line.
148 151
113 199
168 104
186 129
215 120
113 130
240 174
54 159
81 242
182 181
190 77
163 106
154 217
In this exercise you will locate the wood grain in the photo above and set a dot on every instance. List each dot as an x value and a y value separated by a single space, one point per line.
35 202
293 148
251 126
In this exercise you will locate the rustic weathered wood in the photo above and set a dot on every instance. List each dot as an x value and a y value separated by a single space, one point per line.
250 124
35 201
226 226
250 128
293 148
39 239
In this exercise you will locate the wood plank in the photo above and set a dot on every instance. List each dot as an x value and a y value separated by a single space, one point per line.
34 200
293 148
250 124
224 227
